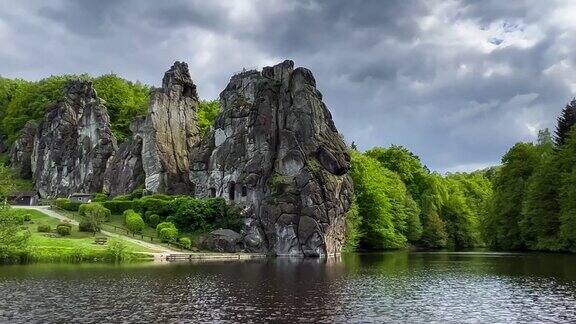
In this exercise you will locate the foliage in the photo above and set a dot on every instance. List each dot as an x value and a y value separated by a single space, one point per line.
124 100
185 242
381 196
192 214
21 101
164 225
168 234
6 182
153 220
44 228
66 204
95 208
117 251
94 214
566 120
119 206
208 110
63 230
353 234
133 221
27 217
13 237
99 197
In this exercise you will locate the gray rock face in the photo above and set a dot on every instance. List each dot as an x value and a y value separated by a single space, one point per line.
222 240
275 150
125 172
73 144
169 132
21 151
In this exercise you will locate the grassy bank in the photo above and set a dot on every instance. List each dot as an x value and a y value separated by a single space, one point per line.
76 247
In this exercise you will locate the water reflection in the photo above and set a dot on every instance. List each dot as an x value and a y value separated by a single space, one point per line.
387 287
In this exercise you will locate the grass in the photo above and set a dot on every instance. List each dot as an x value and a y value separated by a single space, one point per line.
50 246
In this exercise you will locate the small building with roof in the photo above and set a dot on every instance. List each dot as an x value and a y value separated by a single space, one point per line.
23 198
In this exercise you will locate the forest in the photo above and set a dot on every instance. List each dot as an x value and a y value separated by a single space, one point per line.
526 203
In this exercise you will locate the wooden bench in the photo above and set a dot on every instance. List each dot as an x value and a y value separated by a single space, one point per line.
100 240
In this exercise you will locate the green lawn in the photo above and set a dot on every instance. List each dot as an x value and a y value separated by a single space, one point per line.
76 240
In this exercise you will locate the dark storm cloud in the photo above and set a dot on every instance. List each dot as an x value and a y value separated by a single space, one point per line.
457 82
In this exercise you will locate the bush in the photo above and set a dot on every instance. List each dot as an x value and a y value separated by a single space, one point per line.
154 220
163 225
154 205
44 228
99 197
133 221
120 206
27 217
89 226
168 234
190 214
185 242
117 251
85 209
137 194
122 198
61 202
63 230
66 204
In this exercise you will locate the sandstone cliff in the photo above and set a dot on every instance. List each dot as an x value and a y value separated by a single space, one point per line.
275 150
170 131
21 151
73 144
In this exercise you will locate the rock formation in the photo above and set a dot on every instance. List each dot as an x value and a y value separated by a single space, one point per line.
73 144
21 151
275 150
125 171
170 131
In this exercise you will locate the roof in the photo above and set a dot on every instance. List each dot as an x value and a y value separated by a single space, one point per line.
78 194
23 193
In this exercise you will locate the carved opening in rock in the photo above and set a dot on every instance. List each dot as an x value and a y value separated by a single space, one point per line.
244 191
212 192
231 191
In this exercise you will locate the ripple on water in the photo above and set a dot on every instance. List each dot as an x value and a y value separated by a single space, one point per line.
391 287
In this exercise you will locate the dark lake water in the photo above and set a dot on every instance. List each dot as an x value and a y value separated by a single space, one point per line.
388 287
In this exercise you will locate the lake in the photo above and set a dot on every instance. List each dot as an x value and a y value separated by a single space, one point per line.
386 287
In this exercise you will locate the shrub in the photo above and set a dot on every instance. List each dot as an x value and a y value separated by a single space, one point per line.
90 209
154 205
99 197
27 217
117 251
87 225
44 228
190 214
119 206
66 204
61 203
133 221
185 242
137 194
154 220
168 234
164 225
63 230
122 198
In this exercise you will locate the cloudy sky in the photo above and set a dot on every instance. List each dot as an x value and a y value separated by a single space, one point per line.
457 82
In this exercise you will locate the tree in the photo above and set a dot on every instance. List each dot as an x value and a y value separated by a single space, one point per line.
567 192
565 122
501 227
208 110
13 237
380 195
94 216
6 183
134 221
